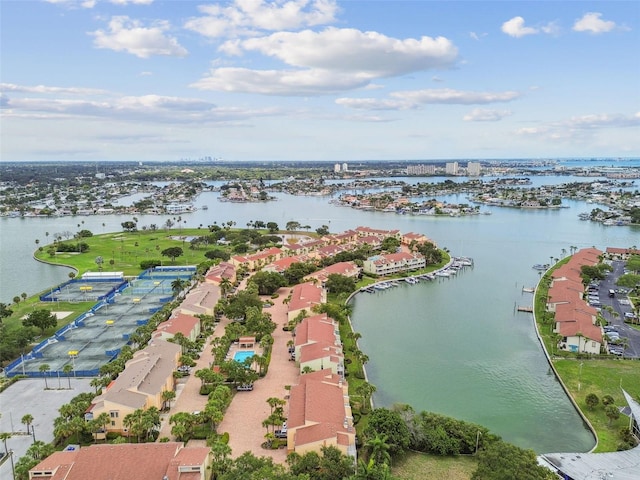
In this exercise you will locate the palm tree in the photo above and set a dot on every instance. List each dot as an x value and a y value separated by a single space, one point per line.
102 421
225 286
379 449
67 369
4 436
44 368
27 419
167 396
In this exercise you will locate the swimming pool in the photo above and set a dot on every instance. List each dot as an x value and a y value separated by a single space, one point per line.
241 355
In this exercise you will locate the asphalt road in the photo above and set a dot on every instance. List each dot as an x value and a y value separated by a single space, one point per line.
621 305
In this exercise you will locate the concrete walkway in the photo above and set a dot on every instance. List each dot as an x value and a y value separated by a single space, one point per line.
243 419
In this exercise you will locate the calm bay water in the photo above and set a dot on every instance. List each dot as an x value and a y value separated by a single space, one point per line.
455 346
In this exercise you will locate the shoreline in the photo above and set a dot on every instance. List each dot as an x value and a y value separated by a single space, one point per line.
559 378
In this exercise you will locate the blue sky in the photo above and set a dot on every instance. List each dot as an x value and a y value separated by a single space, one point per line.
151 80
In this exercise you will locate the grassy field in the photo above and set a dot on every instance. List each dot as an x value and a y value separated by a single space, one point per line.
601 377
419 466
123 251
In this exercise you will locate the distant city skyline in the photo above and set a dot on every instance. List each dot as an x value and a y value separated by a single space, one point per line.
318 80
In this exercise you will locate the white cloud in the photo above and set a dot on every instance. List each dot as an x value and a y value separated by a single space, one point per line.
135 2
132 37
10 87
515 28
406 100
279 82
459 97
74 3
485 115
580 127
350 50
592 23
604 120
154 109
374 104
477 36
245 17
329 61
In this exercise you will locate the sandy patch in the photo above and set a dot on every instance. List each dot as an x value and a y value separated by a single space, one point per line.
61 315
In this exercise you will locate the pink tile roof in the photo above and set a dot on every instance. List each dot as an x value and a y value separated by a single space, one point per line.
321 349
574 316
222 270
179 323
304 295
319 398
143 461
317 328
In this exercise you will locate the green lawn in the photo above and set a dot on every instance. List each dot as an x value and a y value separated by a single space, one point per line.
601 377
123 251
419 466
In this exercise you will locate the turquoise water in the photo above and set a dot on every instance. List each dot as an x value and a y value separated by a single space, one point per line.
242 355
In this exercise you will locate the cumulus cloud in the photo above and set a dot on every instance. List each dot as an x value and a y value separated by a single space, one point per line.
592 23
245 17
329 61
412 99
485 115
131 36
279 82
516 28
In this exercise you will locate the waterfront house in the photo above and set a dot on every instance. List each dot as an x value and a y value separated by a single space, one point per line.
391 263
346 269
303 297
315 329
321 356
376 232
143 461
415 238
320 415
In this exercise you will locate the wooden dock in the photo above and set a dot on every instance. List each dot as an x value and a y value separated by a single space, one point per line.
524 308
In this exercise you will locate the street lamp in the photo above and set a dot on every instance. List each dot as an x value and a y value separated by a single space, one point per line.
579 375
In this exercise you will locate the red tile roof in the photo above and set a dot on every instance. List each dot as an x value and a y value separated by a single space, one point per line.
143 461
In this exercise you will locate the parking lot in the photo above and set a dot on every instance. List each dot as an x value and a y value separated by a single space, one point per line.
29 396
621 306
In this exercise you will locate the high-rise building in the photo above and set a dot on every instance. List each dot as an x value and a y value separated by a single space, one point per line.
473 169
345 167
421 169
451 168
336 168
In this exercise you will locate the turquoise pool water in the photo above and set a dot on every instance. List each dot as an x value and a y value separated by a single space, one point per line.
241 355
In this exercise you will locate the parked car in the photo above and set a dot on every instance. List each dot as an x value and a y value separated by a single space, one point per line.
247 387
280 433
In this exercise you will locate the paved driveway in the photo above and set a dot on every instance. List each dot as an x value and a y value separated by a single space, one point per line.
243 419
